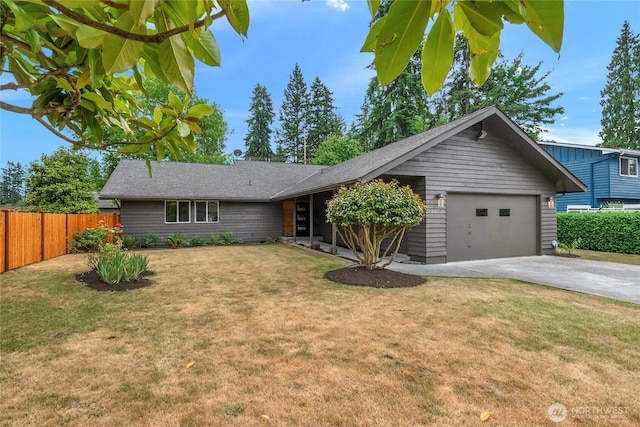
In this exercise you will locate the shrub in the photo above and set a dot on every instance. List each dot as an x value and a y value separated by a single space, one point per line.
129 242
216 239
198 241
92 239
368 213
150 240
177 240
114 264
606 232
228 239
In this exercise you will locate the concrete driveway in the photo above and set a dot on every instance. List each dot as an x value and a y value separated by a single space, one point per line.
618 281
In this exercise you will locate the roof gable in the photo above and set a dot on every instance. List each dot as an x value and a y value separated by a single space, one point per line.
375 163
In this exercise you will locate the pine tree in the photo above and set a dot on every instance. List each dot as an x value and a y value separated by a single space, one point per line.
323 121
258 139
621 95
12 186
293 117
396 111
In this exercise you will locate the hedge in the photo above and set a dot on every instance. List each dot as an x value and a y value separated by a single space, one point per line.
606 232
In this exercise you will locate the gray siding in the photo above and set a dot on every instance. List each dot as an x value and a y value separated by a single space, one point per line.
464 165
251 222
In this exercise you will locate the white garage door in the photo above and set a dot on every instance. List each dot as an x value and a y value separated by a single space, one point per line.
484 226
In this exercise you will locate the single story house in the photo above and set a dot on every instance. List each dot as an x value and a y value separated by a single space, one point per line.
611 174
489 189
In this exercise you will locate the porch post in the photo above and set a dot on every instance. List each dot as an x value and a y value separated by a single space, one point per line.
334 250
295 219
311 221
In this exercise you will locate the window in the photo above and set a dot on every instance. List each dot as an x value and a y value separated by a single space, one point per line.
206 211
505 212
628 166
482 212
177 211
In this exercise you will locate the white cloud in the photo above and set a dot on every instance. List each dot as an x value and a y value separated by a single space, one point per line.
573 135
341 5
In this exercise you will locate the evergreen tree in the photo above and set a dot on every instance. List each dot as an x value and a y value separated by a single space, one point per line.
258 139
323 121
293 117
516 88
621 95
61 183
12 186
396 111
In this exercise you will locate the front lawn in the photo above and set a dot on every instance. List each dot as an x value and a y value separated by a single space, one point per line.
253 335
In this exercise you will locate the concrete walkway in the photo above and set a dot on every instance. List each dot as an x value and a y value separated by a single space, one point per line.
605 279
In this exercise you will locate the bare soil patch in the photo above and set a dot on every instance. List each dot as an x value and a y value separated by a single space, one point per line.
376 278
92 280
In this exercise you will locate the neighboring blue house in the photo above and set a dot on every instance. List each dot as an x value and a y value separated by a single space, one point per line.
610 174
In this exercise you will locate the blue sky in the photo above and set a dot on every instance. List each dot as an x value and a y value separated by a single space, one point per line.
324 37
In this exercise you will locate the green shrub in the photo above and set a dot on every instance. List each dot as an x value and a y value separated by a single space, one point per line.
129 242
177 240
88 240
617 232
198 241
228 239
216 239
150 240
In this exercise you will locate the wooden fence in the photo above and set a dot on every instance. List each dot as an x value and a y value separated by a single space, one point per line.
26 238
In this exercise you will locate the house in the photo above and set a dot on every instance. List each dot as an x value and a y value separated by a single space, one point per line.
610 174
488 187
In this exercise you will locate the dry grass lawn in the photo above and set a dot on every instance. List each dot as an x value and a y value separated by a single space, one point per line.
254 336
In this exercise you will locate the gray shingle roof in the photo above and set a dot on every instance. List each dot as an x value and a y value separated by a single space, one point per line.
242 181
262 181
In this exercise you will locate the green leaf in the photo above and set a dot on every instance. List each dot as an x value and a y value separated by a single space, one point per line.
205 48
483 49
374 5
546 20
200 110
119 54
437 55
372 38
400 36
157 115
23 21
510 10
174 101
237 13
183 129
98 100
175 60
69 25
142 10
76 4
33 38
483 16
90 38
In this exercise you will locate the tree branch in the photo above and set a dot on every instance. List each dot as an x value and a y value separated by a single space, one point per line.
153 38
26 46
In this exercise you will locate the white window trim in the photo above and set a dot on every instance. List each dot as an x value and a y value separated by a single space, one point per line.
177 212
206 202
628 175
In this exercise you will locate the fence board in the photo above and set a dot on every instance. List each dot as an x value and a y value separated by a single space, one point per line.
24 242
26 238
54 233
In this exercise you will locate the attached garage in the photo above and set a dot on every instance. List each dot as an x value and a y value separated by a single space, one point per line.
481 226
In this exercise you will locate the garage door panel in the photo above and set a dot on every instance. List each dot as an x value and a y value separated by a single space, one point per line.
481 226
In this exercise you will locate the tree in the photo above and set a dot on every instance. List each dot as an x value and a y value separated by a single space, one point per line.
322 119
395 111
12 186
81 63
261 115
621 95
399 31
513 86
81 60
61 183
293 117
336 149
369 213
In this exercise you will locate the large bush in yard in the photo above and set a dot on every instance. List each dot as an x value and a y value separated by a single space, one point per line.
606 232
367 214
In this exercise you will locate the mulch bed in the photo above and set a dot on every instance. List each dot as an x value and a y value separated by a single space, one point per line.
377 278
92 280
